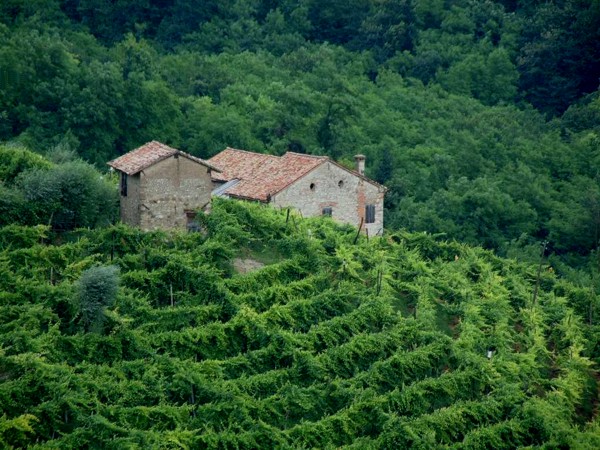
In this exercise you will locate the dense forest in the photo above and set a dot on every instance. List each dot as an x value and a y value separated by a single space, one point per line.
471 324
481 117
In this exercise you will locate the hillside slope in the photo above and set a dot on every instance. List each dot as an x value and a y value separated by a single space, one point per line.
400 341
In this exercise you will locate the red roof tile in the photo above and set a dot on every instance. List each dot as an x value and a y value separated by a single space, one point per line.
264 175
239 164
261 175
147 155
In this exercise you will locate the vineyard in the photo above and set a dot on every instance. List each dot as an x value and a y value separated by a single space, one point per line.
339 341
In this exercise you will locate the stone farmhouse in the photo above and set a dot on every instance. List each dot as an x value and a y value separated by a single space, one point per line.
314 185
162 187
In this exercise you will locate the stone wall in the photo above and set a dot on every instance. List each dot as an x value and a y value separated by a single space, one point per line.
171 187
130 204
330 186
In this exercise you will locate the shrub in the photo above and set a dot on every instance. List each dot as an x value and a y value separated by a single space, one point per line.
69 196
96 290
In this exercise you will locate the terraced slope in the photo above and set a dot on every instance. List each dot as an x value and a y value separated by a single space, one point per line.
401 341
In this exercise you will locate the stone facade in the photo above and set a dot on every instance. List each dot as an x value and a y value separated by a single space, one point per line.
162 187
331 186
171 190
130 203
314 185
165 195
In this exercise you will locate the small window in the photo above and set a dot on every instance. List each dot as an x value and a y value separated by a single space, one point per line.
193 227
312 186
327 211
123 184
192 224
341 183
370 214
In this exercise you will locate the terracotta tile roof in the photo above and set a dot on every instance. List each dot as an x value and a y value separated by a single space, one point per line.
239 164
261 175
148 154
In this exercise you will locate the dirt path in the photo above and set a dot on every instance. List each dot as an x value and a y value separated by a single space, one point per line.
246 265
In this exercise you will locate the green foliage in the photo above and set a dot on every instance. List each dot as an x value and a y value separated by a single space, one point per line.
434 93
17 236
546 82
96 290
13 432
13 208
14 160
577 227
491 78
377 344
68 196
64 196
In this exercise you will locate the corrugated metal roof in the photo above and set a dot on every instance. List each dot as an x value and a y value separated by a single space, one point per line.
220 190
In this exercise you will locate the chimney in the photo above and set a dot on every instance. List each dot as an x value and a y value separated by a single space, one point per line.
360 163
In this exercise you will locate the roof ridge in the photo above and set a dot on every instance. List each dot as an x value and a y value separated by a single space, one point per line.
248 151
198 160
165 146
300 176
262 175
352 171
358 174
147 155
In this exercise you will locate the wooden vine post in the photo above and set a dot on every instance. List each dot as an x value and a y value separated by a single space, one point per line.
359 228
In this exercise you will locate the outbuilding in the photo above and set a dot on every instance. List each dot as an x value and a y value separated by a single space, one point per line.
162 187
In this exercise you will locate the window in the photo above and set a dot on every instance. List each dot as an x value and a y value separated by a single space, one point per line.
328 211
192 224
370 214
123 184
